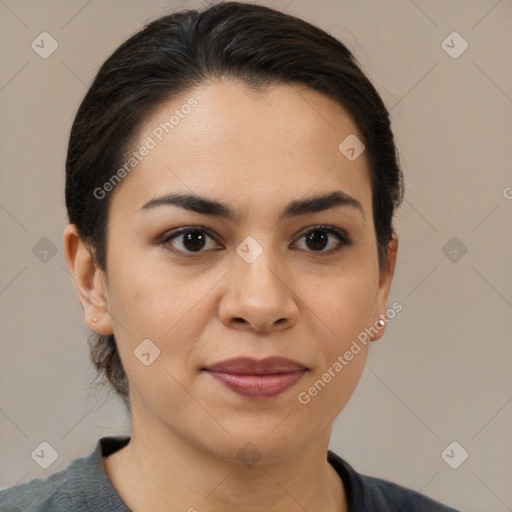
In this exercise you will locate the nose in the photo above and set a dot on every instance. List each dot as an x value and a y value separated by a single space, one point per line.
258 297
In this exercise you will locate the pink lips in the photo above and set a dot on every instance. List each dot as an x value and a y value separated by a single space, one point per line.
255 379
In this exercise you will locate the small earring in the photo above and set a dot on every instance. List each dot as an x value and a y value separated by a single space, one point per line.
381 323
94 319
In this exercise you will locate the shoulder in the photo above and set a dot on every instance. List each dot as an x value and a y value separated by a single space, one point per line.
83 486
396 498
50 493
371 493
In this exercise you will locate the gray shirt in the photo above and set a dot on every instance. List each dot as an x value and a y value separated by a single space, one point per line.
84 486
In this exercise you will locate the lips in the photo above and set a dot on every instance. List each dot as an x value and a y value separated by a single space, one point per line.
257 379
250 366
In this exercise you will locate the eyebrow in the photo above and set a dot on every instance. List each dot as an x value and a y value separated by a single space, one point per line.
207 206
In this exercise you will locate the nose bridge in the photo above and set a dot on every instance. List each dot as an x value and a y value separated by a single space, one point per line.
257 264
258 295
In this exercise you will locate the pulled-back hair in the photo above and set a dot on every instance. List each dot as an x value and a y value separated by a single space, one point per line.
255 44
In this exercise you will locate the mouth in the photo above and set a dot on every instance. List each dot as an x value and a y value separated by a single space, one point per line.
257 380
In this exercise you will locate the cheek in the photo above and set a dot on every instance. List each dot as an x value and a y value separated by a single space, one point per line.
344 302
149 299
143 292
345 306
345 309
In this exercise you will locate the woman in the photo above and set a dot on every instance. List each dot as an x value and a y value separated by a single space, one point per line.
231 181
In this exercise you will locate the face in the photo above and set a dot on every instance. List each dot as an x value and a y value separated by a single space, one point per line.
269 280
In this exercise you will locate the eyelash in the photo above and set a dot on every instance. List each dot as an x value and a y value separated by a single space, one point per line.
340 235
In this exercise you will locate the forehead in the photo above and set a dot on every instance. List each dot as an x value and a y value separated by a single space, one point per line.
226 140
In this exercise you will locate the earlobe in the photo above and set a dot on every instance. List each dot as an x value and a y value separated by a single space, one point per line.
89 281
387 277
385 281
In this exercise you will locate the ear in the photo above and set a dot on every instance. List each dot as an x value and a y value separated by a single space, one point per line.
385 279
90 281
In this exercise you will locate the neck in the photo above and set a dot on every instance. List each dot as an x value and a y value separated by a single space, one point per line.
161 471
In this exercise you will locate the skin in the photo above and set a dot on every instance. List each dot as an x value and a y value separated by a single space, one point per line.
255 151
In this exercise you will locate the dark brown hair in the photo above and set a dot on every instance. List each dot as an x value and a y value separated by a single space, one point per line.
252 43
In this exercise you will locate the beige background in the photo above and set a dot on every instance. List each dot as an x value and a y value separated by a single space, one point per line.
442 371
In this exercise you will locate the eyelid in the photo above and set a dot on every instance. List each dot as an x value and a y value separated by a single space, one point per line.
340 234
175 233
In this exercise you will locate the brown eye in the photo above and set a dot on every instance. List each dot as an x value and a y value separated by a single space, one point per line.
189 240
317 240
193 240
320 237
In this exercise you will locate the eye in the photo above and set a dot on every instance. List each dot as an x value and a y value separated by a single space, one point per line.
318 238
190 240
